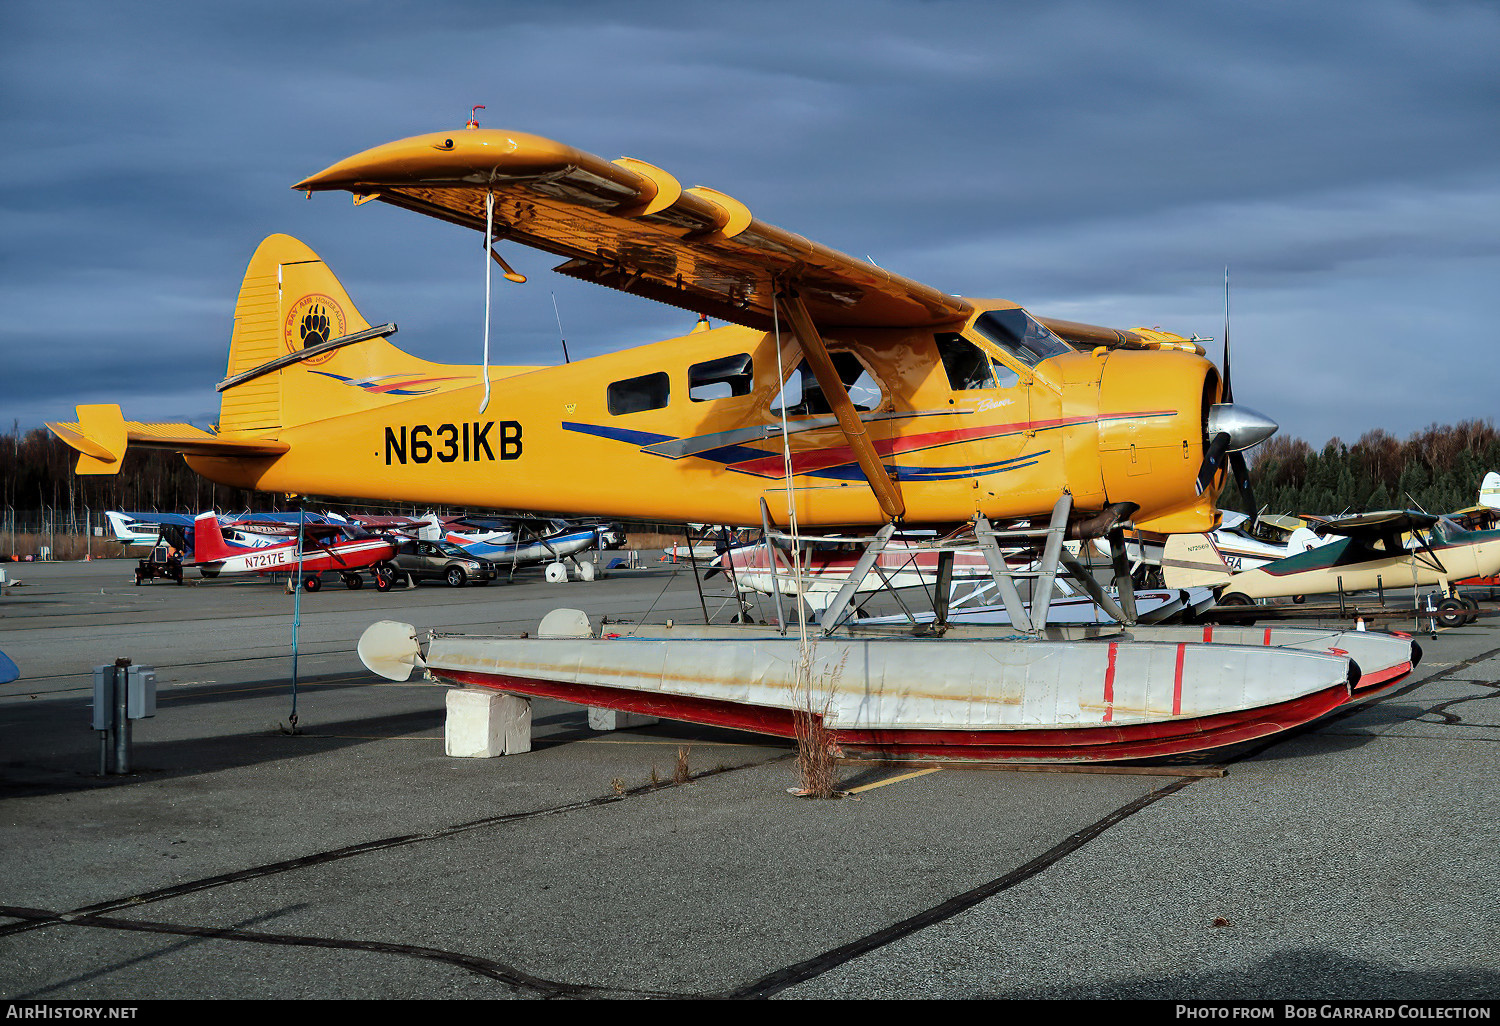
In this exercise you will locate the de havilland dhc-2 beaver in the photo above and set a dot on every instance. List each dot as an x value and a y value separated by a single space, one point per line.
840 396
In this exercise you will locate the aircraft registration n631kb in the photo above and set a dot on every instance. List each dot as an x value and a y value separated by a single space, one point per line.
900 403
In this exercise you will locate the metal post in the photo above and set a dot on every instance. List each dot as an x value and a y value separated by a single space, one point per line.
297 609
122 717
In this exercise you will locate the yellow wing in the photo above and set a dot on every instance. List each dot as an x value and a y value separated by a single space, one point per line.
631 226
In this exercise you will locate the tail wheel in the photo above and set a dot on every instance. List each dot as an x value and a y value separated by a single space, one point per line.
312 583
456 577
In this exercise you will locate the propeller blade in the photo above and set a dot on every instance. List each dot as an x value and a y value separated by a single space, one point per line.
1242 478
1213 460
1228 390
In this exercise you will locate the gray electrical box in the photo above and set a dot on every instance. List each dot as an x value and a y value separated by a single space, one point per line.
104 697
140 694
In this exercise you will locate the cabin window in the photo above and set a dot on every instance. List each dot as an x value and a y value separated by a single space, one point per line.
636 395
801 396
723 378
1020 335
968 366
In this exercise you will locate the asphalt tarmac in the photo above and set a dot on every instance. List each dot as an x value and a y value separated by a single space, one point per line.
347 857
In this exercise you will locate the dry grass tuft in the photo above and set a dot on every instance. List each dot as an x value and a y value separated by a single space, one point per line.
680 773
817 748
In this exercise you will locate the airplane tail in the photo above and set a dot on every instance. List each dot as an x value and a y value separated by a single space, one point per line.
209 545
289 303
1192 561
1489 490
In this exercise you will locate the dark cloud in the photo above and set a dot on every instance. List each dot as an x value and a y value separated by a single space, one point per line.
1101 160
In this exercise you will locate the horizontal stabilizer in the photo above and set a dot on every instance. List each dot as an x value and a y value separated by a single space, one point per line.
101 435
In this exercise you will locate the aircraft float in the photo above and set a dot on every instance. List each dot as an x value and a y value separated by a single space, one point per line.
838 395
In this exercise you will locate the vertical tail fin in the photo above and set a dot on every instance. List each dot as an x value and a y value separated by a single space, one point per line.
290 301
208 539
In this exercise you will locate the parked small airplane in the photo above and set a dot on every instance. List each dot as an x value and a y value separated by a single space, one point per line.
326 548
1364 553
513 542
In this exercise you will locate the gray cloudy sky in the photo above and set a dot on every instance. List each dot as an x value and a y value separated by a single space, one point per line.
1099 161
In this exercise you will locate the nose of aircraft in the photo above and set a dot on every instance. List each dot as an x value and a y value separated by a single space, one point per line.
1244 426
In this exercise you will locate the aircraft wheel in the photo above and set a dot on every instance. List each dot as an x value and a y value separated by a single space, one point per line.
556 573
585 571
1234 598
1451 613
456 577
208 571
384 580
1299 599
1472 605
312 583
353 582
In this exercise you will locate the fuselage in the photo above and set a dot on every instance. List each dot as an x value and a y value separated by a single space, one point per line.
966 419
1352 564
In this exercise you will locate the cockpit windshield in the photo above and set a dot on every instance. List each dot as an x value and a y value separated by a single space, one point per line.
1446 530
1020 335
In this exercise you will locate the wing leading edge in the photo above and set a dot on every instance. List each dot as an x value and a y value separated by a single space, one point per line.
630 226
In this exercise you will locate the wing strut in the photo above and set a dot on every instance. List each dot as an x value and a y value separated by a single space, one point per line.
887 492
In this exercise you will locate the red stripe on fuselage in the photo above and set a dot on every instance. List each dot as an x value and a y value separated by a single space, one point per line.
837 456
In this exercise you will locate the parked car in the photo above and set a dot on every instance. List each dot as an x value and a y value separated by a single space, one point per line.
434 560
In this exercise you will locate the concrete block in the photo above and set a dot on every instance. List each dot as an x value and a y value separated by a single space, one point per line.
613 719
483 723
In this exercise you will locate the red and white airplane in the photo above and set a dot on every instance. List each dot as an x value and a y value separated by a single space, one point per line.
326 548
